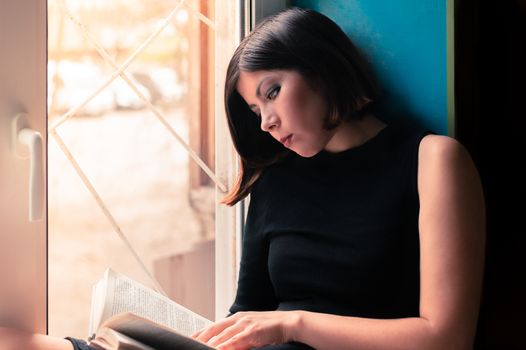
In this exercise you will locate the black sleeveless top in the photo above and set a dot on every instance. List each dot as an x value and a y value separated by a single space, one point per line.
336 233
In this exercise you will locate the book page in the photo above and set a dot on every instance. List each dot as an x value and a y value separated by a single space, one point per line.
98 299
131 296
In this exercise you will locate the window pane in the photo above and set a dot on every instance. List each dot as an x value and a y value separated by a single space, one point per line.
130 152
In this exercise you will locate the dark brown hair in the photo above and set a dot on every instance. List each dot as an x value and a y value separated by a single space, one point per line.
313 45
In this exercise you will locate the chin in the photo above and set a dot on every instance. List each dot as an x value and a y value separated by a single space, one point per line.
306 153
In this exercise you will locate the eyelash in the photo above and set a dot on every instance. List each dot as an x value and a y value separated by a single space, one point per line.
273 92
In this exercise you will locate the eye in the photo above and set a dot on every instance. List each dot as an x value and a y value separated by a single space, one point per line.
273 92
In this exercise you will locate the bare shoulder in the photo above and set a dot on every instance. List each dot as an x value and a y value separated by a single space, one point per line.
442 148
443 157
449 185
444 165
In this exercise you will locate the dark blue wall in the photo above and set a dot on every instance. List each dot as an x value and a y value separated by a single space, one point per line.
406 42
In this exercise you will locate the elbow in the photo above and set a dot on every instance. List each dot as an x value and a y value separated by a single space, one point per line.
450 338
459 341
452 343
8 338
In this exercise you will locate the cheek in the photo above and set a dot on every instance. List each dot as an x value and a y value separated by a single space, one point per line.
313 106
303 114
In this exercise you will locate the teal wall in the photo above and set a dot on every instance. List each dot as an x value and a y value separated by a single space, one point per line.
406 43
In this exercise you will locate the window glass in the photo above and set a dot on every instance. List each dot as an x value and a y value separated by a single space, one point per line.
120 169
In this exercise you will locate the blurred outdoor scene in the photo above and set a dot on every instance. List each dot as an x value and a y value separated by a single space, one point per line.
128 151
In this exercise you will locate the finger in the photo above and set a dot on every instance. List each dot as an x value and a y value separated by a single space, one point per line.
240 341
213 330
225 335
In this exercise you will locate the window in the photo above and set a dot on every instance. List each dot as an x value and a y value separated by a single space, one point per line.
139 152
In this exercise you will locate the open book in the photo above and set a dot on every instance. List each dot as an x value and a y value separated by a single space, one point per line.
128 315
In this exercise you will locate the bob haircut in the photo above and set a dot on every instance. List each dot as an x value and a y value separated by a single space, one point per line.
313 45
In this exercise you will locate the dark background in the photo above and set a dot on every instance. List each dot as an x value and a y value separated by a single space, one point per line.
490 83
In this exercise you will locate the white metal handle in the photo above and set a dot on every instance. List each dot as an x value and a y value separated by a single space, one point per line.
28 143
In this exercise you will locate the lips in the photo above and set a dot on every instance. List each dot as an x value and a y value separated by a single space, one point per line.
286 140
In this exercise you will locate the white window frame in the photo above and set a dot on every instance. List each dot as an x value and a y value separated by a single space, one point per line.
228 20
238 17
23 237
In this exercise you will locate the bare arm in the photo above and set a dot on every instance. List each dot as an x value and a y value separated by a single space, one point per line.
452 239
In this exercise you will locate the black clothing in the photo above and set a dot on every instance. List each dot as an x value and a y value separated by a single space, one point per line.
79 344
336 233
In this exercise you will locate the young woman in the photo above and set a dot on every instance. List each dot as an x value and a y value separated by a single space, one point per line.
360 235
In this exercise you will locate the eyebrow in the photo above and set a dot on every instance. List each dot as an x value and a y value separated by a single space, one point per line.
258 90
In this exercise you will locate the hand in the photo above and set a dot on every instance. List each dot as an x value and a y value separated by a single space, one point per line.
246 330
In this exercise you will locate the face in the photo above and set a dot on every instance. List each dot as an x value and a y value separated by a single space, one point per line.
289 109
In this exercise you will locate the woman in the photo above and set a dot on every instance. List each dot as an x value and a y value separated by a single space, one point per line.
360 235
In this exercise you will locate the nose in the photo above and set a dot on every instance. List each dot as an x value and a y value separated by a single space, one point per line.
269 121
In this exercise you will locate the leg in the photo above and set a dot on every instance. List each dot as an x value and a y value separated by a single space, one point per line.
12 339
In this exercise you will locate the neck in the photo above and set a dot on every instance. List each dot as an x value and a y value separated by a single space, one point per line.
354 133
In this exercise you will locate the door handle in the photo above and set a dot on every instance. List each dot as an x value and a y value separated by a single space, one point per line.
27 143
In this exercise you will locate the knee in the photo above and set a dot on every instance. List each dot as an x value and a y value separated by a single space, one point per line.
14 339
10 338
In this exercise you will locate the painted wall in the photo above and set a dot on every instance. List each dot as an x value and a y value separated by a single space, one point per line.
406 43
